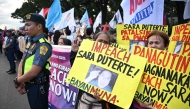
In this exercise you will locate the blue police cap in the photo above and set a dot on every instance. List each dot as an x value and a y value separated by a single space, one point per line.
35 17
22 28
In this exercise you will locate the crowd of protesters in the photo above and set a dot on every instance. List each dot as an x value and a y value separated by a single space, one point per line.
66 37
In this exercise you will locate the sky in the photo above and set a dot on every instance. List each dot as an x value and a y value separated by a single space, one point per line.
6 8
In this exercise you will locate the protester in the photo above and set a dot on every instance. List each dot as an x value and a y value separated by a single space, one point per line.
50 37
98 103
158 40
112 32
64 41
56 37
46 33
68 35
9 52
33 73
19 39
88 33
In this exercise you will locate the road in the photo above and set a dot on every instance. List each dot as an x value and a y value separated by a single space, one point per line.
9 97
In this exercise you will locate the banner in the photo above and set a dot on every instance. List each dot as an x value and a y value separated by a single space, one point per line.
22 44
113 72
131 34
61 94
143 11
165 80
180 39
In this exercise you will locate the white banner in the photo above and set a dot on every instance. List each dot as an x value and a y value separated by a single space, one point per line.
143 11
67 19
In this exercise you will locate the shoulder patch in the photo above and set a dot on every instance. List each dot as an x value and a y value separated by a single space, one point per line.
11 40
43 50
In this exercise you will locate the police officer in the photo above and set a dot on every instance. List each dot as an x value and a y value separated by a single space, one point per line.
33 73
1 43
9 51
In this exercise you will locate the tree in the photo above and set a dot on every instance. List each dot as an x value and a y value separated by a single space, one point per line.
27 7
108 7
180 11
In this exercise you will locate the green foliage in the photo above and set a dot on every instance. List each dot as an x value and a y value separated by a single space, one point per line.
93 7
108 8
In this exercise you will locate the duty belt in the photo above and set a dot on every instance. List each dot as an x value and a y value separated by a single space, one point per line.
40 80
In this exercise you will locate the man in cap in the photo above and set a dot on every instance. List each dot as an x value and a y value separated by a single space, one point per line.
33 73
9 51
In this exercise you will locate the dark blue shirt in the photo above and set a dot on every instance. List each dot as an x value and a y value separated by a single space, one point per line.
43 52
1 37
11 40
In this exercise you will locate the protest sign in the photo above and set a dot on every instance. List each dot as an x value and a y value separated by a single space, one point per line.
180 39
61 94
111 71
132 34
166 79
22 44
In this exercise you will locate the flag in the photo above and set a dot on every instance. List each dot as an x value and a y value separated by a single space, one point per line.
113 22
67 19
85 19
46 11
97 21
54 14
186 14
41 12
116 19
4 31
144 12
90 19
105 28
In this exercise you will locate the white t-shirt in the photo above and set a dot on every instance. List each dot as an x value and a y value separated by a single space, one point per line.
71 38
18 39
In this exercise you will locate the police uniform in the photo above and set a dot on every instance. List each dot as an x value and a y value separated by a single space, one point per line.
37 52
10 53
